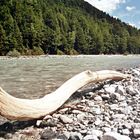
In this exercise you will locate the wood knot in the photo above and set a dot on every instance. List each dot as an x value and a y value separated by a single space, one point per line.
89 72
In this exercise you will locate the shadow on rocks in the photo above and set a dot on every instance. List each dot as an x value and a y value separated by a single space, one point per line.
12 127
92 87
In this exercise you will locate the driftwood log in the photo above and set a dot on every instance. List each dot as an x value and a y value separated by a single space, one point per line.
24 109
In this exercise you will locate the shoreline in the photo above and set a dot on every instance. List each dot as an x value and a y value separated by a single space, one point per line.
47 56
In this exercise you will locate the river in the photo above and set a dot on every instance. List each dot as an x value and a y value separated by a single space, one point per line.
33 77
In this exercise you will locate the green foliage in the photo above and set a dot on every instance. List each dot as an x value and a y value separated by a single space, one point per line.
59 52
37 51
13 53
36 27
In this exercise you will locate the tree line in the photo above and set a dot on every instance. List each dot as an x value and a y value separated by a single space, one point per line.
34 27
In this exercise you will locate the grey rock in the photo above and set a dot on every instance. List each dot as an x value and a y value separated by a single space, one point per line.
126 110
137 91
75 136
63 110
8 136
105 96
127 125
38 122
50 122
137 120
114 107
123 104
106 129
97 122
47 117
81 116
91 104
77 112
113 97
136 133
130 90
119 97
91 93
48 134
125 131
119 116
65 119
96 111
114 136
110 89
120 89
136 72
66 133
83 132
97 133
62 137
98 98
90 137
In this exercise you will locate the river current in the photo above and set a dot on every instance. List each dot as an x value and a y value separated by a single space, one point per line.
33 77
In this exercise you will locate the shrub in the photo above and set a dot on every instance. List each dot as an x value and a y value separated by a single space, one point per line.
59 52
37 51
13 53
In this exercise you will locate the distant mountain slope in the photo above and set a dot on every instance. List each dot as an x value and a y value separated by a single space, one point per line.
62 27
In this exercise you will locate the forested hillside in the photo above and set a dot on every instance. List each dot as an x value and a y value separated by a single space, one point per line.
34 27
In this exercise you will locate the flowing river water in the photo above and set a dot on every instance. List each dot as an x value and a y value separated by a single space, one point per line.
33 77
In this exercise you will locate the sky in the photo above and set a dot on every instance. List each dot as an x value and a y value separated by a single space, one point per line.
126 10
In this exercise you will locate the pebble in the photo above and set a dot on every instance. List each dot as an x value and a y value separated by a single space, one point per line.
77 112
125 131
97 122
91 103
119 116
75 136
130 90
81 116
98 98
136 133
136 72
48 135
105 96
65 119
90 137
50 122
109 89
120 89
106 129
97 133
38 122
96 111
114 107
114 136
47 117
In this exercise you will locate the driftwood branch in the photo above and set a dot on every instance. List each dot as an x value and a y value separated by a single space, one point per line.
24 109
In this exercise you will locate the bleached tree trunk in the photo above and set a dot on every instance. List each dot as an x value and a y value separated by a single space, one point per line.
24 109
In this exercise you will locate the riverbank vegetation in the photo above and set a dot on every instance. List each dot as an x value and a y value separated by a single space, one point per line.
34 27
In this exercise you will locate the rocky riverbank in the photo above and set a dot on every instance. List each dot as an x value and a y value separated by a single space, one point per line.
103 111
